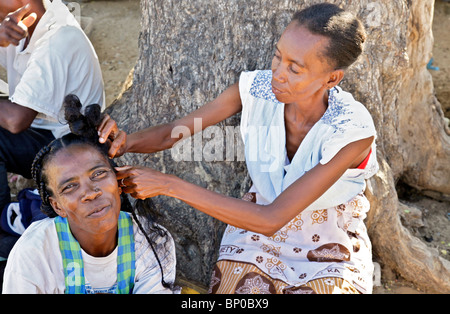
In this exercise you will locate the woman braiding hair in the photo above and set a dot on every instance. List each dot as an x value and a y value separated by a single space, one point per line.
309 148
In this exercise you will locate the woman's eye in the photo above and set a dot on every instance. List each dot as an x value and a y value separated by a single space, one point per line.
294 70
99 174
68 188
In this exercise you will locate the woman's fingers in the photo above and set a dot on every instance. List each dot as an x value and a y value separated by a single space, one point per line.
117 147
108 130
139 182
18 15
123 172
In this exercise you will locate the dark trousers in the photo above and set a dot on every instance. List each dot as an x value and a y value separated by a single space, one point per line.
17 152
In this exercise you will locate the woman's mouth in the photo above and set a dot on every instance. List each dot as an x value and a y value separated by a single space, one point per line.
99 212
276 91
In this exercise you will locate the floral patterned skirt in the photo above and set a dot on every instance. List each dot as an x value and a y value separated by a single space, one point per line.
230 277
316 244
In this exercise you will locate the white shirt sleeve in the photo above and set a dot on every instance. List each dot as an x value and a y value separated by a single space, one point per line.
63 63
351 121
34 264
148 272
43 84
245 82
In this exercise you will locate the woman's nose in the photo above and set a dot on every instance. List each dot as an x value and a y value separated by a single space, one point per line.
91 192
278 73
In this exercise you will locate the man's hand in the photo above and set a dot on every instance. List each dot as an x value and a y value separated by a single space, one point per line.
15 27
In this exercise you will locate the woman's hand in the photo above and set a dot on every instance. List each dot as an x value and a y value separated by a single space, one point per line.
142 182
108 131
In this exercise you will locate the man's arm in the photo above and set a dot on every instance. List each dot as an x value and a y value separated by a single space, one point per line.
15 118
13 29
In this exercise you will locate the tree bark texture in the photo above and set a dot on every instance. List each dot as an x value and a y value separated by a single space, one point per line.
190 51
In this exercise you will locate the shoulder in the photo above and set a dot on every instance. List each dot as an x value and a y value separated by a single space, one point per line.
67 33
258 84
151 258
39 235
346 120
345 112
162 243
35 263
60 43
36 253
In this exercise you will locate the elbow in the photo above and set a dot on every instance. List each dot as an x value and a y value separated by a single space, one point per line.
269 225
16 128
18 118
272 219
269 231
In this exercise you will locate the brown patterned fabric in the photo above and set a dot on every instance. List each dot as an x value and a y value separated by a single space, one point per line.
241 278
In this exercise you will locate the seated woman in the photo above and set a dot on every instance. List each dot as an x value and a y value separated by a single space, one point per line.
309 148
90 243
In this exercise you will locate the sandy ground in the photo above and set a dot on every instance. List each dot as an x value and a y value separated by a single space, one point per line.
114 32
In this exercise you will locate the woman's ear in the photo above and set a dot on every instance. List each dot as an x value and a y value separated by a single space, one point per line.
61 212
335 78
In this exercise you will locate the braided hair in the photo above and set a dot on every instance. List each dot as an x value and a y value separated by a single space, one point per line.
83 129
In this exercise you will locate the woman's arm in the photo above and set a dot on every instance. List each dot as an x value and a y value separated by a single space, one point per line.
143 182
159 137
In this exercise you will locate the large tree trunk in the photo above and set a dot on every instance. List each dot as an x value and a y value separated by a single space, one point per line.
190 51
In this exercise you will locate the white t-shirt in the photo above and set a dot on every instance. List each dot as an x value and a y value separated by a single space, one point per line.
35 264
59 60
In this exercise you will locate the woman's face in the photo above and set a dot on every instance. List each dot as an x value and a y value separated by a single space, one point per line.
85 189
299 69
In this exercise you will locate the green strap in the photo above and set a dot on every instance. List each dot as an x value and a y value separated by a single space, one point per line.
73 261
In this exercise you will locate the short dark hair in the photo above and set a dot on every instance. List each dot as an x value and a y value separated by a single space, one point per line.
345 31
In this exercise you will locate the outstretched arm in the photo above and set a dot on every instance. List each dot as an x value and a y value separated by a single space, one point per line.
143 182
159 137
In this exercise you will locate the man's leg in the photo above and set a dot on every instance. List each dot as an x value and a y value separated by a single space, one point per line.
5 197
17 152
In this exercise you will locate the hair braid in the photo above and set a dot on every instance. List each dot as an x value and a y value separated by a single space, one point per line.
147 237
40 179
